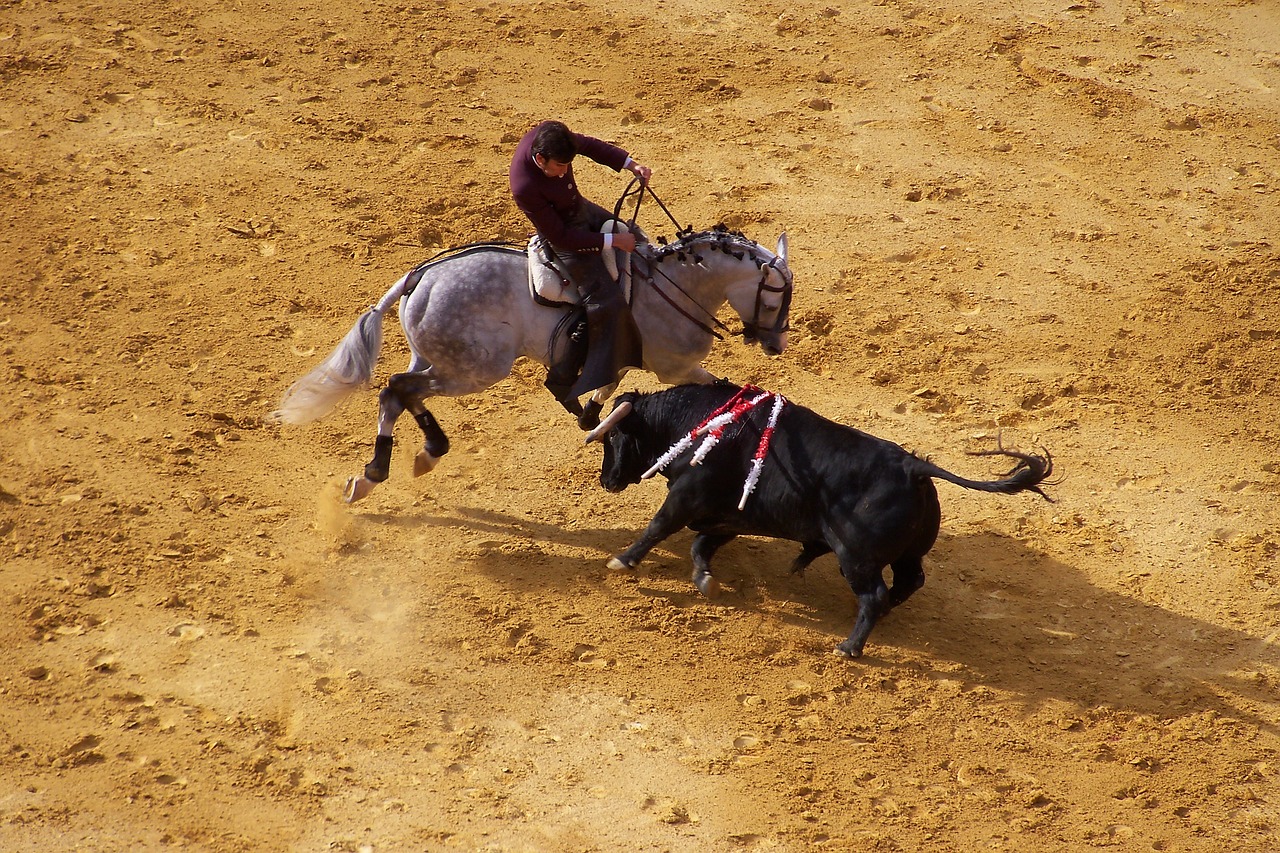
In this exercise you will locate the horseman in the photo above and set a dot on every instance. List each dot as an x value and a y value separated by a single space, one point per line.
544 188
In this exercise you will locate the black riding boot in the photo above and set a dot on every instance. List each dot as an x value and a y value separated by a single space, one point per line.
614 339
562 374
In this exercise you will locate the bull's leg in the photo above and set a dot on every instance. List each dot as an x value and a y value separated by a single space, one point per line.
908 576
705 546
867 582
808 553
669 519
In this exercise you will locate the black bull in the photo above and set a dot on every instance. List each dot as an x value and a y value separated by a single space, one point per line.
825 485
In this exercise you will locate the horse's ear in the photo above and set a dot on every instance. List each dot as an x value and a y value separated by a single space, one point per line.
782 246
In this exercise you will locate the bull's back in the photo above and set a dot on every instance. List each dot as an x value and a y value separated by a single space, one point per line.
817 475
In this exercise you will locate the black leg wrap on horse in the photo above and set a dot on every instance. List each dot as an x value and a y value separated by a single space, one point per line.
437 442
378 470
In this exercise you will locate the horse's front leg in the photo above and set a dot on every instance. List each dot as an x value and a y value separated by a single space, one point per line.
697 375
590 417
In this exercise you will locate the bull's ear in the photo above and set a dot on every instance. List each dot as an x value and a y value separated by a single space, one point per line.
782 246
619 412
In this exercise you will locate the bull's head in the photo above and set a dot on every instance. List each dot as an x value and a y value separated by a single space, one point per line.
623 463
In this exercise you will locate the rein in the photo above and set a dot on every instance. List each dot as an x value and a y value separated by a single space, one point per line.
653 285
750 329
638 188
639 193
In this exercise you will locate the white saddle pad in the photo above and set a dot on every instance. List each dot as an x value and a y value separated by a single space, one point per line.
548 280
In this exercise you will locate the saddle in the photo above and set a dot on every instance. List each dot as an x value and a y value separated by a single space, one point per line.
550 281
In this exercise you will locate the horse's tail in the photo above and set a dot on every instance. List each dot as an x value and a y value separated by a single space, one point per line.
347 369
1026 476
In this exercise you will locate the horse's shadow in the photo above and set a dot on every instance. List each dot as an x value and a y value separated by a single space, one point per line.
1013 618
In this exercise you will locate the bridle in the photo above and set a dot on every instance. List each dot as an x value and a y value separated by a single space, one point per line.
751 329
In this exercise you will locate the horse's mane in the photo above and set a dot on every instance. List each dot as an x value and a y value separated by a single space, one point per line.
718 238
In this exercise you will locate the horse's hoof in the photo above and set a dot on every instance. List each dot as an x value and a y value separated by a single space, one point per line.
423 463
841 652
589 417
357 488
708 586
618 565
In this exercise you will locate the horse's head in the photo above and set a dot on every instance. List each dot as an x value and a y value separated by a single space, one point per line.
720 265
763 300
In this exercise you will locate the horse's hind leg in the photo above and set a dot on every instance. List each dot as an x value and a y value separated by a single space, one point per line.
435 443
408 391
379 468
403 391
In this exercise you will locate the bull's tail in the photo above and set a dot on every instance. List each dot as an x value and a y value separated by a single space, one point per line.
1026 476
347 369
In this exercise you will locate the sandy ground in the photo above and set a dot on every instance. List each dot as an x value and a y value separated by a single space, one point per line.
1053 221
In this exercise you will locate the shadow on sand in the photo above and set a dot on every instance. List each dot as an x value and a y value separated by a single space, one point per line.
1014 618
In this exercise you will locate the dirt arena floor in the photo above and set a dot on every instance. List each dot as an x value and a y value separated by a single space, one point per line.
1053 222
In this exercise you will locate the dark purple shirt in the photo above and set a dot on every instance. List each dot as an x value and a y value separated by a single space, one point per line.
551 203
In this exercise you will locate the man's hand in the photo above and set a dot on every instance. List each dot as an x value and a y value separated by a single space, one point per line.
641 172
624 241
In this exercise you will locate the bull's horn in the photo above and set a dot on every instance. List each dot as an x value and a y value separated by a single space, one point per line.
619 412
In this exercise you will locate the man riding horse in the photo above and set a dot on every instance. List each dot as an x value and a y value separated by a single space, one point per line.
544 188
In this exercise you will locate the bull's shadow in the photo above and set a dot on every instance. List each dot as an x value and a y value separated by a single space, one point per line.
1014 618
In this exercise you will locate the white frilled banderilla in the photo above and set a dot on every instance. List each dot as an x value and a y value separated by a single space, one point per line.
713 427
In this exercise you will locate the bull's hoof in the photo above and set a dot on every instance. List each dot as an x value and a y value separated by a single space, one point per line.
357 488
619 565
707 585
424 462
841 651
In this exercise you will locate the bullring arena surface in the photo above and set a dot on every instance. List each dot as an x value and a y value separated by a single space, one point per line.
1052 222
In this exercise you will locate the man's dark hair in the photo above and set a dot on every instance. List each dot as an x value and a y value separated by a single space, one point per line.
554 141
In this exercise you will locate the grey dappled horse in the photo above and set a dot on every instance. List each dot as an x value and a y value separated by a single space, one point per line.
469 315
